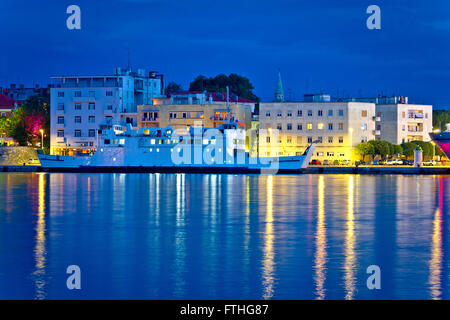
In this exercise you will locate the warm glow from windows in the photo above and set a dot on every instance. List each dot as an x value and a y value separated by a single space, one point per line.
320 126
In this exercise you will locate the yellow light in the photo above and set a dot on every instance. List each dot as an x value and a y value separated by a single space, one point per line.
320 126
436 131
42 131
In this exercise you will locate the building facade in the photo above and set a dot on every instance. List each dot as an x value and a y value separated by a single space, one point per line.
400 123
336 127
80 105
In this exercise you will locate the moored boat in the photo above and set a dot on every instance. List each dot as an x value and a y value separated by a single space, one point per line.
442 139
198 150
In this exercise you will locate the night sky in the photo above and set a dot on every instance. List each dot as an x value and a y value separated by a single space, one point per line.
322 45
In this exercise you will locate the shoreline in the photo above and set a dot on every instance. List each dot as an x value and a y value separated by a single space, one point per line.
310 170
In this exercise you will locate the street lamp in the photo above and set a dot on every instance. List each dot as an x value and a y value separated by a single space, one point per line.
42 139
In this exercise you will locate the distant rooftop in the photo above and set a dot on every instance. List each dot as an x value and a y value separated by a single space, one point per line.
7 102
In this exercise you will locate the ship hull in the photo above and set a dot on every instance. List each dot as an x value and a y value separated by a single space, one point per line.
443 141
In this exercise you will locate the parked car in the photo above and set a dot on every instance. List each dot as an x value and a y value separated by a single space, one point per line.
394 162
336 163
326 162
429 163
315 162
407 162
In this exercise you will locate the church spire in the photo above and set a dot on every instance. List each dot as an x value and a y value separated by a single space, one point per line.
279 92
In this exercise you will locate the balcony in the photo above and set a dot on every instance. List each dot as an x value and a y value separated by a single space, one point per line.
152 120
376 132
376 119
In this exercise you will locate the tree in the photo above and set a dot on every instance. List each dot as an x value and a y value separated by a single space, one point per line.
440 119
238 85
173 87
364 149
381 147
15 127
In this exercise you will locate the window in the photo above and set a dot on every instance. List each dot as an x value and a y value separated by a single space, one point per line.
279 114
289 126
60 133
77 106
91 133
60 93
403 128
109 107
363 139
279 126
319 140
60 120
341 113
341 154
299 127
92 94
364 127
341 126
330 126
319 154
91 119
403 114
320 126
378 114
109 93
426 115
330 139
364 113
299 140
77 133
330 113
109 120
77 119
3 114
77 93
379 127
289 140
319 113
309 126
310 113
91 106
268 139
330 154
184 115
341 139
309 139
299 113
268 114
60 106
289 113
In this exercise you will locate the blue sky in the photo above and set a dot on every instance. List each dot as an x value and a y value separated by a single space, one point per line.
321 45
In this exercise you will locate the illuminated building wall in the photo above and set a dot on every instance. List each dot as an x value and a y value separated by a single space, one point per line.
337 126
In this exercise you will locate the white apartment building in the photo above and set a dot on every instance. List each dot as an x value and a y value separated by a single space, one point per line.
80 105
401 123
336 127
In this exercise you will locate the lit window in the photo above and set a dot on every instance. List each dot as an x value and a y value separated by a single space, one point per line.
320 126
310 126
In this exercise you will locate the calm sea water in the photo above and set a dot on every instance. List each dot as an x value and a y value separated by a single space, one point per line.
176 236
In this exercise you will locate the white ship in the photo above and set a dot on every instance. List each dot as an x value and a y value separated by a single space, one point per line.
220 150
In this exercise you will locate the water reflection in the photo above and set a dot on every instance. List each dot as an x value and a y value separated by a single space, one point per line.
268 257
40 247
349 264
321 242
224 236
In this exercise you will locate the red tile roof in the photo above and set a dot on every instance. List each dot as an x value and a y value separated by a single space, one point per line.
6 101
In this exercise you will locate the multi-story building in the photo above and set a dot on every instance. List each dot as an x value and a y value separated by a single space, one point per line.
336 127
207 113
80 105
21 93
398 121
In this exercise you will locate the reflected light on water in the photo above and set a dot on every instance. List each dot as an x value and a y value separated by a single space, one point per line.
349 265
39 249
321 242
268 259
180 237
436 252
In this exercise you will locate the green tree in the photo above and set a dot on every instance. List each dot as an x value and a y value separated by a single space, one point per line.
381 147
440 119
365 149
15 127
408 148
173 87
238 85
